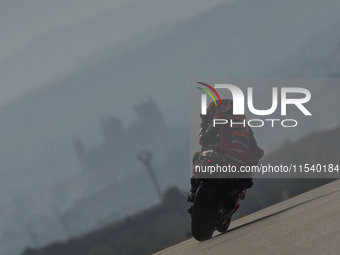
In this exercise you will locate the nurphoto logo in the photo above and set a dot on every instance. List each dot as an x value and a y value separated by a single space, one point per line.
239 104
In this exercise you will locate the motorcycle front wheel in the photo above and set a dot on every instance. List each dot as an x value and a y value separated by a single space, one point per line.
224 227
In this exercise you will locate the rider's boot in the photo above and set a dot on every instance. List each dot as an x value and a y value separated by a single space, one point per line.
192 193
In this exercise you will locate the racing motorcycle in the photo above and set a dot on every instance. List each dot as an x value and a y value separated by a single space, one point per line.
208 212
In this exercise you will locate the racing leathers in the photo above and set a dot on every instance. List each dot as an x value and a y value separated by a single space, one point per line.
236 144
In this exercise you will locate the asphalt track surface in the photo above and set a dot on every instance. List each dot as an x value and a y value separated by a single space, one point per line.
306 224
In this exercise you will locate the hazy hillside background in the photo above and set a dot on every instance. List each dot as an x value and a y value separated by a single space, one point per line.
43 40
168 222
90 71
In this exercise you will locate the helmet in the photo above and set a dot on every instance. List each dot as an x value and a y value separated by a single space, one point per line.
225 108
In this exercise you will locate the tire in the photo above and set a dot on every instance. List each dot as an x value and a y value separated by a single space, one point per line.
202 227
224 227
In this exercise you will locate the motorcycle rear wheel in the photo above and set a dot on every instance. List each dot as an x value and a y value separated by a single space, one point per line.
202 227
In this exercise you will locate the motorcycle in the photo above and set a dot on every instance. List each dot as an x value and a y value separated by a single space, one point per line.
208 212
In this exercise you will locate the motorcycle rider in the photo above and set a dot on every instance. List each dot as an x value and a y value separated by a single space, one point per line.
236 143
